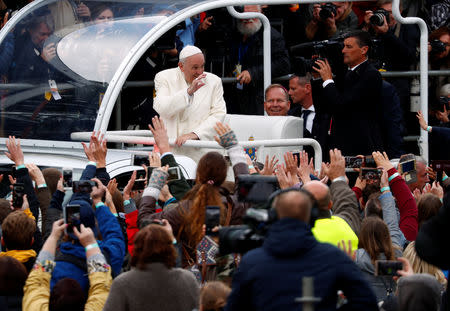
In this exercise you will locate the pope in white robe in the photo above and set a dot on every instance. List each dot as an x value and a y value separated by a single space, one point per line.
190 101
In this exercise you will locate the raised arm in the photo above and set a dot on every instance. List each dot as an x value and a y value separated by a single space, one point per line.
344 200
405 200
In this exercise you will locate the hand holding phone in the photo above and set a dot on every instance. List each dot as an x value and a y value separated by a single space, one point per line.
72 217
18 193
212 219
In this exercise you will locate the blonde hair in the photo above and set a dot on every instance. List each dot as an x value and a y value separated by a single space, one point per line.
213 296
420 266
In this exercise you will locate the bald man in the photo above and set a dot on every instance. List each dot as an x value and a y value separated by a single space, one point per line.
190 101
329 228
270 277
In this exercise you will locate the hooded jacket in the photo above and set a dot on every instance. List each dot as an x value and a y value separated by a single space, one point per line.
112 244
270 277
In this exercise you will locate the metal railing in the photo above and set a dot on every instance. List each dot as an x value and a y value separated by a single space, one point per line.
123 137
228 80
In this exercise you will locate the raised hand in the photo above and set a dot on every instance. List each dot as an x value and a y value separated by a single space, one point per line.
382 160
423 124
269 166
159 132
129 187
304 170
196 84
85 235
15 153
291 164
337 165
227 138
35 174
98 191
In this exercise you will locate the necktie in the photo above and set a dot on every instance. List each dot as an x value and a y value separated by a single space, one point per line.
305 114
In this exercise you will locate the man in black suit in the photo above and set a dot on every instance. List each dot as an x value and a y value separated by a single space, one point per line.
315 123
354 104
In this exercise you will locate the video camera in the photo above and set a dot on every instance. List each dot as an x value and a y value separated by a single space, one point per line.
328 49
377 19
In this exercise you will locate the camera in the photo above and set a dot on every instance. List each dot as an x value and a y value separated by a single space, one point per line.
357 162
327 10
377 19
303 60
437 46
18 192
241 239
256 188
83 186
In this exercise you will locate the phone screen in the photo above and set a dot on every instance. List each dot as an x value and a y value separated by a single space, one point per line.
72 217
67 178
139 184
174 173
18 192
370 173
387 267
408 166
139 159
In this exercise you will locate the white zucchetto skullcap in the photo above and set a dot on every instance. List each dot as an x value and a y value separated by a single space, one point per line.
189 50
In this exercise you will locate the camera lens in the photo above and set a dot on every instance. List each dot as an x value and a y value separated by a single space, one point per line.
377 19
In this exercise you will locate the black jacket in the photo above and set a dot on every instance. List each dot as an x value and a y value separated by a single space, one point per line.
270 277
354 104
321 125
250 99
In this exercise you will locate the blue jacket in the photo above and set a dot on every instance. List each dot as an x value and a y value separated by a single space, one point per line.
112 244
270 277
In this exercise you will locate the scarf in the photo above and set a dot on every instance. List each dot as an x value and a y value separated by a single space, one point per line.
20 255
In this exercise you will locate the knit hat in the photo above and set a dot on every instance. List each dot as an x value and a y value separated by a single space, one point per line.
418 292
188 51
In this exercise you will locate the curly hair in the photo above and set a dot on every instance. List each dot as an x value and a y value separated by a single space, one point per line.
153 244
375 239
211 173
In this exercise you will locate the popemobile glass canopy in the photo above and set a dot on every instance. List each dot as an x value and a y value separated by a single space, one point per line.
57 59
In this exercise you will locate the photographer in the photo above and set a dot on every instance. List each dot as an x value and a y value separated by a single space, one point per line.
439 57
289 253
331 20
95 215
395 47
355 102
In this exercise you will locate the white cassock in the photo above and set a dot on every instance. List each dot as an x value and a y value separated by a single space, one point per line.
183 114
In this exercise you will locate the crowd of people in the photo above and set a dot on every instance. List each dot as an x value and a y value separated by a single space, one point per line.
370 239
234 48
158 248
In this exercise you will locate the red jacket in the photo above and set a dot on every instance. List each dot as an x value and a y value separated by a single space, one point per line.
406 205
